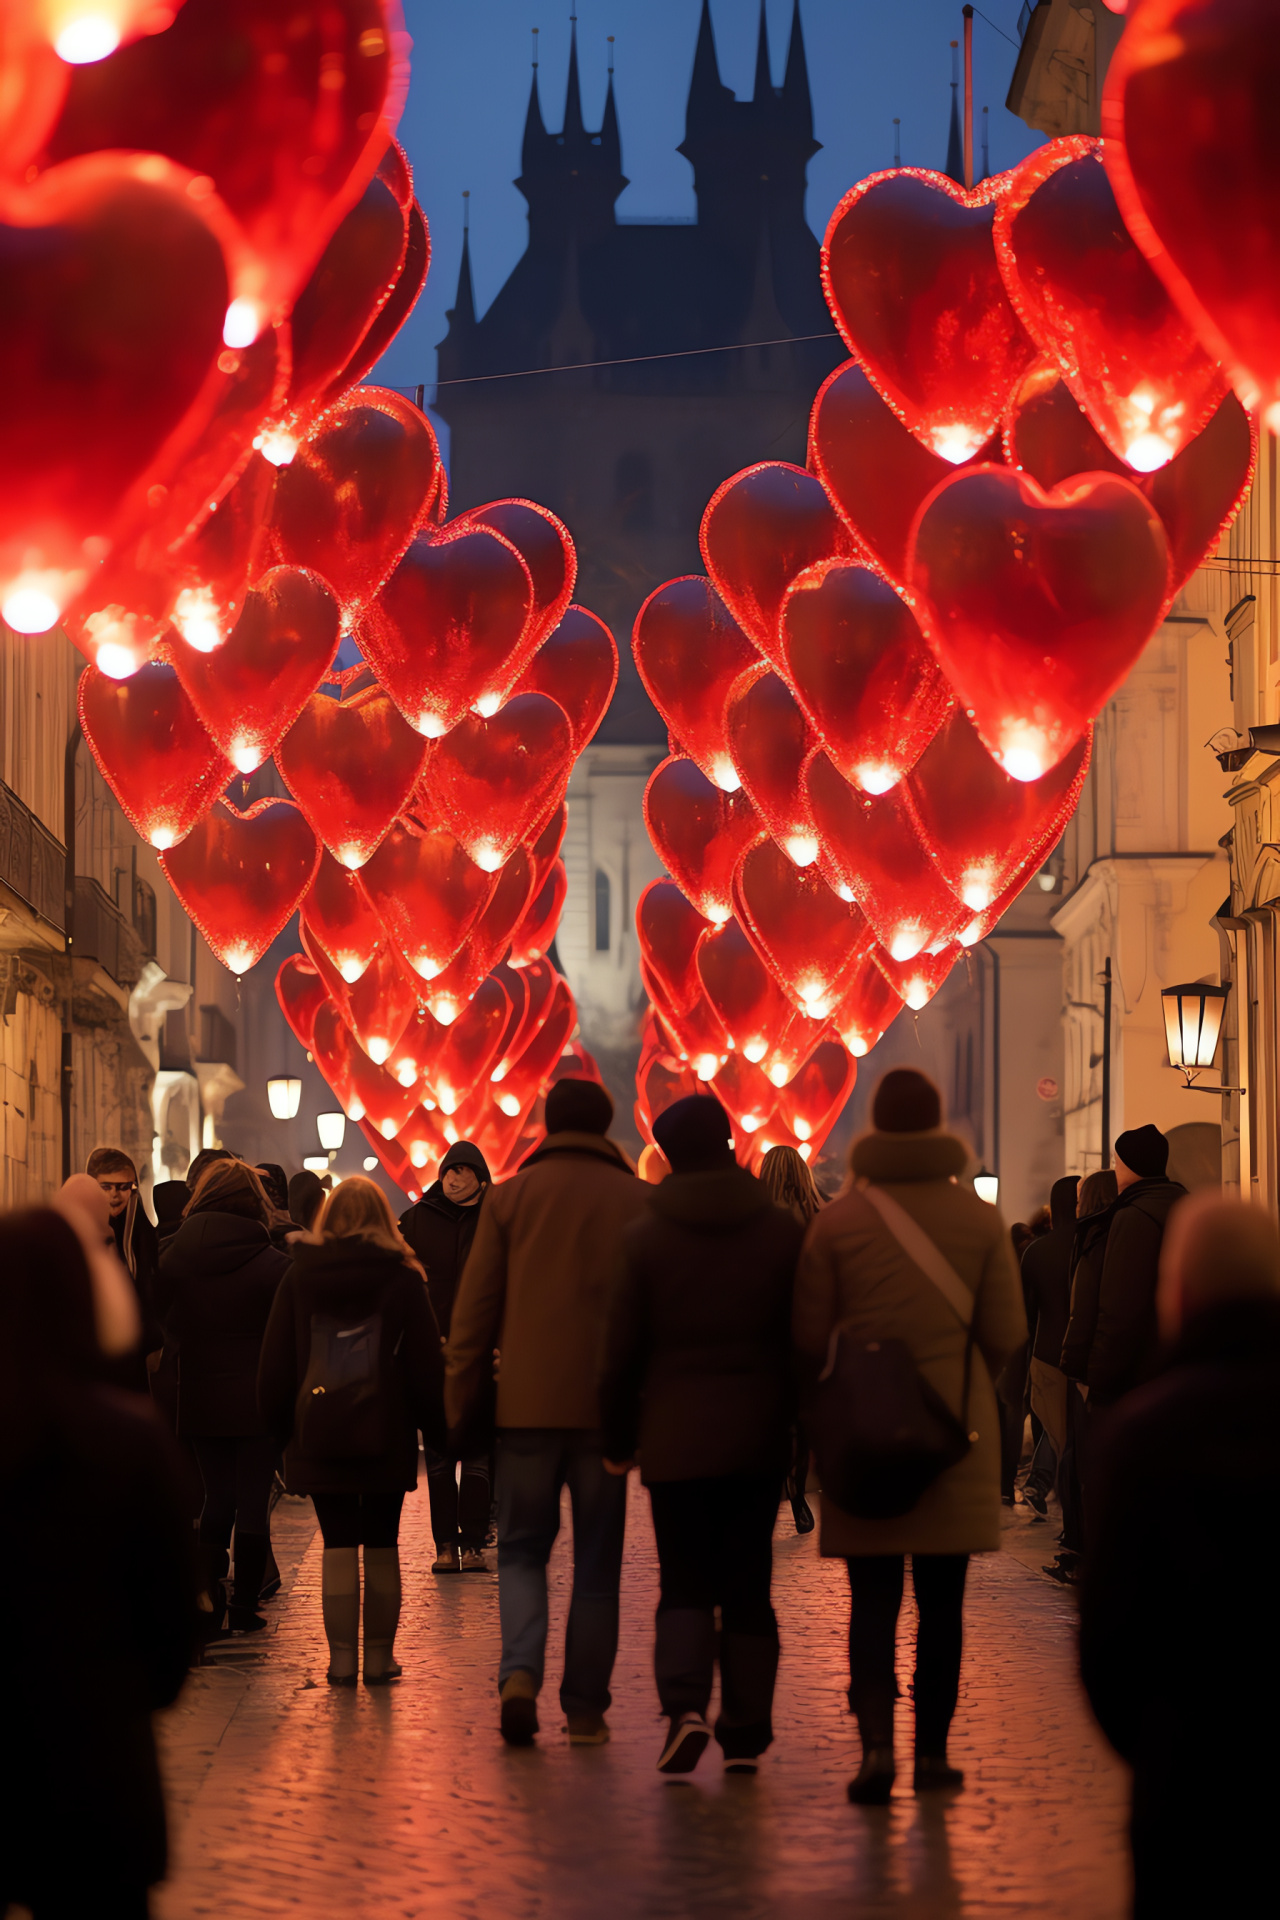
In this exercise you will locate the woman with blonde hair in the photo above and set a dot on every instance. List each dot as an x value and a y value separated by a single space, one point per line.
351 1370
788 1182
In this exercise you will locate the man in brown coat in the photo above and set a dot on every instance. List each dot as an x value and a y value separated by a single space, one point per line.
856 1273
535 1286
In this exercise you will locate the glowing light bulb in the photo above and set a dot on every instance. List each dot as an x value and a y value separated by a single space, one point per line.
487 857
1023 763
749 1122
802 1129
917 995
719 914
801 849
240 958
426 969
755 1050
89 37
162 838
509 1104
845 893
369 1162
244 757
817 1003
778 1074
355 1109
1271 417
406 1073
487 705
706 1066
956 442
30 610
379 1051
972 933
499 1074
419 1154
277 445
906 943
1148 453
856 1045
876 779
725 774
977 894
116 661
387 1128
804 1149
351 970
241 324
451 1133
431 726
446 1009
196 616
352 858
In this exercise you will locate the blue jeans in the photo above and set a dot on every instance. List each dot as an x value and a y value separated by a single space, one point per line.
533 1464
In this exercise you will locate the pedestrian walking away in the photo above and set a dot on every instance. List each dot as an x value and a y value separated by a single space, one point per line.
536 1285
440 1228
697 1384
875 1265
351 1372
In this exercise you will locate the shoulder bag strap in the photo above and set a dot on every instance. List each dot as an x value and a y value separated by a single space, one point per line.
917 1245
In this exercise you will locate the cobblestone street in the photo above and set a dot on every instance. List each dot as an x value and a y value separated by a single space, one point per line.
288 1797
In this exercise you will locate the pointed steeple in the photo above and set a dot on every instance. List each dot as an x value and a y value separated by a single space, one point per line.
795 85
462 314
573 97
764 76
708 94
610 137
535 132
954 168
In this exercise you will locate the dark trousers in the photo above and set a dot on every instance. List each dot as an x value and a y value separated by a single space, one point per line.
715 1549
875 1586
237 1475
359 1519
459 1512
1070 1480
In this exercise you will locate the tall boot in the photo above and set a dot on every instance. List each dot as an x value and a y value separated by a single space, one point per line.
381 1614
214 1561
340 1605
875 1777
748 1670
251 1561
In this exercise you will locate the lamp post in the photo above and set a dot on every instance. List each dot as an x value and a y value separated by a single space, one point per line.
1193 1014
284 1094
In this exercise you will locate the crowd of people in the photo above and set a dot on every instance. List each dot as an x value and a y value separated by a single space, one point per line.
733 1337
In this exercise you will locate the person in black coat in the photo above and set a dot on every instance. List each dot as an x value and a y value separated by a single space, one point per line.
1183 1672
440 1229
138 1248
351 1371
218 1278
1046 1294
89 1503
696 1384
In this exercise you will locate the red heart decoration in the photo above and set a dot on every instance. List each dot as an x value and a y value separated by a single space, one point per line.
352 282
538 983
286 111
377 1097
577 667
422 1140
791 1046
537 1059
770 741
1188 113
394 311
915 981
351 765
669 929
659 1086
334 1049
152 750
490 781
689 651
448 629
741 990
866 1010
334 984
337 915
748 1097
695 1037
191 480
862 673
356 492
413 1053
427 894
806 935
1197 494
252 690
112 270
761 528
546 847
32 90
811 1103
984 831
546 547
515 985
699 833
241 876
875 852
301 993
541 918
470 1048
911 277
1088 299
487 941
1036 603
381 1004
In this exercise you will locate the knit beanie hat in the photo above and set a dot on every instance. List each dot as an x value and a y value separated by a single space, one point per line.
575 1105
1144 1150
694 1135
906 1102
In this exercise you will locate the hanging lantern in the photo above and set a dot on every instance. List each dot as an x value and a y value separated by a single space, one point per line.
284 1096
1193 1015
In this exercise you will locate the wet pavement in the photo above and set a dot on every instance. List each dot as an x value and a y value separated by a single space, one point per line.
290 1797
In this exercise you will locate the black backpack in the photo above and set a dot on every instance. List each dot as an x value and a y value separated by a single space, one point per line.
342 1404
882 1434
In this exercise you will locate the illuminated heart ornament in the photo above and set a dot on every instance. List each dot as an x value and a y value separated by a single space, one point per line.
114 290
334 1048
336 913
448 630
546 546
351 765
875 853
210 570
689 651
355 493
470 1047
33 84
334 984
301 994
743 993
811 1103
541 918
659 1086
577 667
866 1009
381 1004
1197 494
515 985
915 981
152 751
351 283
487 943
747 1096
1036 604
862 673
233 82
545 849
241 876
807 936
910 273
695 1037
984 831
699 833
1089 299
377 1097
770 741
394 311
761 528
792 1044
250 692
1188 110
537 984
193 478
422 1139
491 781
669 929
427 894
532 1066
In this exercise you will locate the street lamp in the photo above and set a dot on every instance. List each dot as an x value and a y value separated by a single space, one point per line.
283 1096
1193 1015
316 1163
332 1128
987 1186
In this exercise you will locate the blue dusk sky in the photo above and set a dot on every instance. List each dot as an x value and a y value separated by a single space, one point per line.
470 89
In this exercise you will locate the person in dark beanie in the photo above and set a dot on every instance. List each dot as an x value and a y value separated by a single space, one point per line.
696 1382
535 1286
1183 1673
306 1197
440 1229
909 1253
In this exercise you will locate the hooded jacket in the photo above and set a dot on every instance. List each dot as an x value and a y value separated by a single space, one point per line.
1111 1343
218 1277
441 1232
1046 1275
351 1279
536 1284
696 1371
